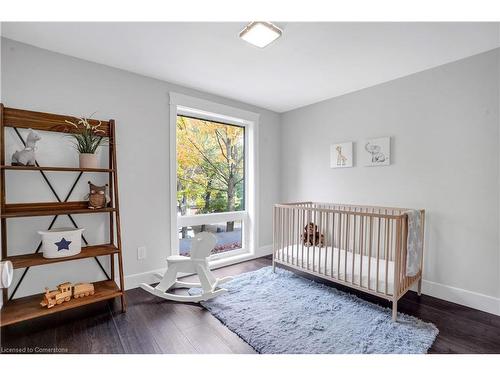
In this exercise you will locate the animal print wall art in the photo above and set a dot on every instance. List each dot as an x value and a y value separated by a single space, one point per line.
341 155
377 151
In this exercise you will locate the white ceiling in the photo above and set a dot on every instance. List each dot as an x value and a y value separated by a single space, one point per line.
310 63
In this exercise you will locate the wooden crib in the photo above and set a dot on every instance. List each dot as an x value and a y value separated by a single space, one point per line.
362 247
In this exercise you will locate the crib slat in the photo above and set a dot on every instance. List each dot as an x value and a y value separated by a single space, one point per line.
294 258
333 244
319 241
378 253
303 239
308 237
346 247
327 222
274 235
387 231
314 221
283 233
287 234
361 246
353 246
370 250
339 244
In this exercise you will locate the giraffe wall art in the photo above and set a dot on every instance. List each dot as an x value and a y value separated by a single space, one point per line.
341 155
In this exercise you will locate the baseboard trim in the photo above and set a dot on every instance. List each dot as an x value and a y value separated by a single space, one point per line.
134 280
463 297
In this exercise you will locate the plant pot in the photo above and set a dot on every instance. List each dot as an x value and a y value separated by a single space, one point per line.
88 161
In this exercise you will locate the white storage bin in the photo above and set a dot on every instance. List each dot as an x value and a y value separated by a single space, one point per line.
61 242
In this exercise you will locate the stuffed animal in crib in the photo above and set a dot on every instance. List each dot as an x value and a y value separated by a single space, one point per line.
98 197
312 236
27 156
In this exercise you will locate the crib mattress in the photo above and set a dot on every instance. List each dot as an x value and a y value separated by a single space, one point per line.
297 256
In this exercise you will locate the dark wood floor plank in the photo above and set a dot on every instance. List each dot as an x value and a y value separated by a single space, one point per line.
206 340
160 319
154 325
81 331
142 328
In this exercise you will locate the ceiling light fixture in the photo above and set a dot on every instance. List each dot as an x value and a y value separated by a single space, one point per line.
260 34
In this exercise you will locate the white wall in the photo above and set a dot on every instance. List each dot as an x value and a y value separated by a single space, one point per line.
40 80
445 158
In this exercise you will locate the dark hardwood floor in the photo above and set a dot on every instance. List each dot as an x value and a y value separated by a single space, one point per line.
153 325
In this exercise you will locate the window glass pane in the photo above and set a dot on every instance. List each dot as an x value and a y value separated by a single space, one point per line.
210 167
229 237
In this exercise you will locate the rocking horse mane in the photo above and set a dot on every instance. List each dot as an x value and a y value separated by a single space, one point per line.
202 244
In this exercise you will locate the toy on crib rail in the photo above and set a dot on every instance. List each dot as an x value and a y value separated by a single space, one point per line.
201 246
64 292
312 236
27 156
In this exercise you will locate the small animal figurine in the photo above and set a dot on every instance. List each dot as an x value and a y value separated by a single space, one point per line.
27 156
98 197
312 236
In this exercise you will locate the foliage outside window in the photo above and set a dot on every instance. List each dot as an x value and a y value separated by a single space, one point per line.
210 167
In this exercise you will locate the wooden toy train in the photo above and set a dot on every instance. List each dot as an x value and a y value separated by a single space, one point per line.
64 292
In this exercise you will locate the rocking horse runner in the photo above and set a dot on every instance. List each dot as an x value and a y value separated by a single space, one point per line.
202 245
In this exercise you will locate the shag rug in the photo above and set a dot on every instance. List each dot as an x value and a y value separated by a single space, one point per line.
284 313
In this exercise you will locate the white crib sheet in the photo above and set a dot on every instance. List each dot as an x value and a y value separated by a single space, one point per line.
295 256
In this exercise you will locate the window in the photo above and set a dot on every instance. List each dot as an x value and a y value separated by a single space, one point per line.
213 176
210 179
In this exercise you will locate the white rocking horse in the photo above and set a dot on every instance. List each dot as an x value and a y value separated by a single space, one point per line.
201 246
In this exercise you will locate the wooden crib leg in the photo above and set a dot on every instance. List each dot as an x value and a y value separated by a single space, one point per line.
395 310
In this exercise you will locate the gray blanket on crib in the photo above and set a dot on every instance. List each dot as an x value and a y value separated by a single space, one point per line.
414 243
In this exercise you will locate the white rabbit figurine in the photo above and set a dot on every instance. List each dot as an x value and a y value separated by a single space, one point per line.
27 156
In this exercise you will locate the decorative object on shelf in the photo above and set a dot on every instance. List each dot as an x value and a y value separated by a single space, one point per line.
87 141
312 236
61 242
27 156
64 292
377 151
201 246
6 275
341 155
83 290
98 196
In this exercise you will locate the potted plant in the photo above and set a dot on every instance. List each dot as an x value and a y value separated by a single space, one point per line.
87 141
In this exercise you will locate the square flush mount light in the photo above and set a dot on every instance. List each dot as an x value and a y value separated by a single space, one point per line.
260 34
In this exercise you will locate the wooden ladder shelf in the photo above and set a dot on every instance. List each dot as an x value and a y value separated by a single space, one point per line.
20 309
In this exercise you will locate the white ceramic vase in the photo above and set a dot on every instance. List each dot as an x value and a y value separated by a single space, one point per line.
88 160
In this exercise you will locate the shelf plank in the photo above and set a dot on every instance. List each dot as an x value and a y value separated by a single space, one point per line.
20 118
50 208
29 307
54 169
37 259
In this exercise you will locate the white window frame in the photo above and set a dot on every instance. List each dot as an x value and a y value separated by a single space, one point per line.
181 104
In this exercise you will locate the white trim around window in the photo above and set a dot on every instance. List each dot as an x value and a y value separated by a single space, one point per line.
181 104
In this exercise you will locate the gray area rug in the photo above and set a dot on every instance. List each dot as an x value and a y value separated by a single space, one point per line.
284 313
